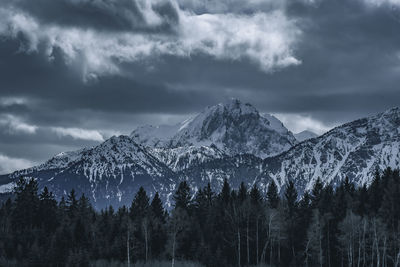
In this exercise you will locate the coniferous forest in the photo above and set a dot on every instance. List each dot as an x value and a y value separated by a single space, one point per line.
345 226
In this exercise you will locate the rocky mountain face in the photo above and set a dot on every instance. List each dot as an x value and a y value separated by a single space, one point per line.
356 149
230 140
222 130
110 173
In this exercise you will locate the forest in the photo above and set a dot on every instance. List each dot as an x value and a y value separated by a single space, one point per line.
327 226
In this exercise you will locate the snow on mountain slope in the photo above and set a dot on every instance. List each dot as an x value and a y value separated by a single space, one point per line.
155 136
355 149
109 173
181 158
224 141
305 135
233 127
245 168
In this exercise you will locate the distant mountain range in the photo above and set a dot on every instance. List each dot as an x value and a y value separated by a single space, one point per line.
230 140
305 135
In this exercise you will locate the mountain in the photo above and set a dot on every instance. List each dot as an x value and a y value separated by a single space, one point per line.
356 150
305 135
227 128
230 140
110 173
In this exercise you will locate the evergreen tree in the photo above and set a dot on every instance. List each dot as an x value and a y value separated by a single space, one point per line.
48 210
375 194
182 197
25 213
72 205
242 193
255 195
272 195
316 193
158 227
140 205
291 198
341 226
157 208
225 194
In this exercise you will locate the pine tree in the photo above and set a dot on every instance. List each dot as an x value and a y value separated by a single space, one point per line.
140 216
362 200
157 208
375 194
182 197
25 213
48 210
255 195
72 205
242 193
291 198
140 205
158 228
209 194
291 219
316 193
272 195
225 194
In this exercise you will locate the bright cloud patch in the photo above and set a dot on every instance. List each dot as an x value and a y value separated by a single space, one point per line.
13 124
9 164
76 133
267 39
382 2
9 101
298 123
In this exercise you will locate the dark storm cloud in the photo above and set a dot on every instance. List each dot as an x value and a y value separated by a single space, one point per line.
114 15
349 53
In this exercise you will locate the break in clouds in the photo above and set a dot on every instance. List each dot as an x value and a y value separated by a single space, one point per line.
75 72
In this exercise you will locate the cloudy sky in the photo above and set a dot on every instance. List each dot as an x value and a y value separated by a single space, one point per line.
74 72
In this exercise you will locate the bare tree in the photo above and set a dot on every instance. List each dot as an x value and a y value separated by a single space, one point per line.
314 240
177 224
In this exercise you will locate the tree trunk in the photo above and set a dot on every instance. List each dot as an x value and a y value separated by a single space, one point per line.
257 241
320 246
127 247
306 252
247 241
364 243
279 245
238 236
173 250
329 247
146 240
377 245
359 251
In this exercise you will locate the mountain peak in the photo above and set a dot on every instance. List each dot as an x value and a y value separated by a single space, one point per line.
235 106
392 111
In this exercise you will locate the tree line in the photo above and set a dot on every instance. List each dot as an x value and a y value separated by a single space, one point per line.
327 226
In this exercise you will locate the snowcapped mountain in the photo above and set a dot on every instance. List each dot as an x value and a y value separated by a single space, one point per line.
232 127
355 149
109 173
181 158
305 135
230 140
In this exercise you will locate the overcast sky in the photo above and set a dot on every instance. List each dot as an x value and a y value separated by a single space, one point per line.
75 72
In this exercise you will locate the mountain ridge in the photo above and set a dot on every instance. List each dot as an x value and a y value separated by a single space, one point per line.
111 172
